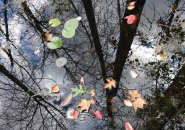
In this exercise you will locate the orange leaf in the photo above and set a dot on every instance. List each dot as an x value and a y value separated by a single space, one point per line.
55 89
92 101
47 36
84 105
138 103
133 95
111 83
92 92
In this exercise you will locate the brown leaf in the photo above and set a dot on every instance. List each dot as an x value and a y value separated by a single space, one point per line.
55 89
133 95
138 103
110 83
92 92
47 36
84 105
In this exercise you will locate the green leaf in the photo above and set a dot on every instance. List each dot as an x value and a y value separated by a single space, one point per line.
68 33
55 43
78 90
54 22
71 24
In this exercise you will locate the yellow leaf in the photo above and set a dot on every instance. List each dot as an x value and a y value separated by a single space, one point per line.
110 83
133 95
84 105
130 7
92 92
138 103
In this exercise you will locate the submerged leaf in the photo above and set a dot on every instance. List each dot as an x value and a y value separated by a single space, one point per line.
78 90
84 105
54 22
131 19
128 126
60 62
92 92
47 36
127 103
133 95
68 33
163 57
138 103
67 100
55 89
98 114
72 113
71 24
133 74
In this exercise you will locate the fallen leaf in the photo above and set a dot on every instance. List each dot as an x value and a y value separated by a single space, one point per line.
82 81
128 126
133 95
55 89
47 36
131 19
78 90
72 113
92 101
127 102
163 57
110 83
138 103
98 114
67 100
133 74
84 105
131 6
92 92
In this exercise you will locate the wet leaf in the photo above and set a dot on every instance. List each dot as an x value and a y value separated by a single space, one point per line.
133 74
67 100
51 45
55 89
82 81
92 101
133 95
54 22
55 43
72 113
84 105
131 19
138 103
75 114
131 6
60 62
163 57
92 92
127 103
98 114
128 126
110 83
78 90
71 24
47 36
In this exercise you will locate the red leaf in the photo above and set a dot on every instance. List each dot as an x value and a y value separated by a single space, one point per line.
75 114
98 114
131 19
128 126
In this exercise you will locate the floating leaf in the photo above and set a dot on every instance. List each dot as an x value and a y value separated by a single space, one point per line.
133 95
79 18
55 89
131 19
110 83
98 114
55 43
72 113
84 105
51 45
68 33
71 24
47 36
92 101
67 100
163 57
54 22
127 103
82 81
78 90
92 92
131 6
60 62
133 74
128 126
138 103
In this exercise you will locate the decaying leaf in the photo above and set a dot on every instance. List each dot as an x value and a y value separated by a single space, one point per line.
133 95
92 92
138 103
131 6
78 90
84 105
110 83
133 74
98 114
128 126
47 36
55 88
127 102
67 100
